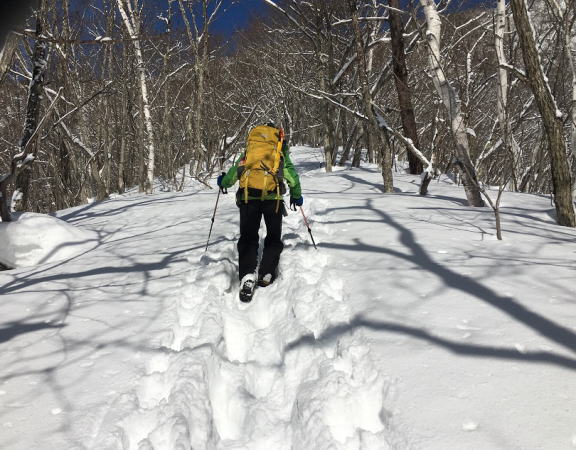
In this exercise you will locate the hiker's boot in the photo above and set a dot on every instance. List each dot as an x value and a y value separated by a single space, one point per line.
265 280
247 285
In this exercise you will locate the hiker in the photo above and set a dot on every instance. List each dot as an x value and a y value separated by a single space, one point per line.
261 172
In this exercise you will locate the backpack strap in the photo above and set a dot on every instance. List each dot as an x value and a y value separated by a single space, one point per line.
278 153
277 159
246 187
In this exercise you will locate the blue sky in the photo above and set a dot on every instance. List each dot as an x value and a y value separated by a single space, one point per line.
237 15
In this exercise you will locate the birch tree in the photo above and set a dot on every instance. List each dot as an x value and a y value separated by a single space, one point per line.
131 18
451 102
500 30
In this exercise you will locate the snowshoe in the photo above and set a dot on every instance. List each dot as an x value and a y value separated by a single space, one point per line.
247 286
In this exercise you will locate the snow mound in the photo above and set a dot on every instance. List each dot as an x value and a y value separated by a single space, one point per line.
38 239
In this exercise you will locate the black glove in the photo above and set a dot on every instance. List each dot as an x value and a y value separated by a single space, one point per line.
219 182
294 202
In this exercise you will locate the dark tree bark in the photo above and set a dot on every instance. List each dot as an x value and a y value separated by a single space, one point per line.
553 122
358 147
6 54
375 134
402 84
27 152
348 143
326 73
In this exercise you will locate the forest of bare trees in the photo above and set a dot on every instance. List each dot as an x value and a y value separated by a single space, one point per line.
101 96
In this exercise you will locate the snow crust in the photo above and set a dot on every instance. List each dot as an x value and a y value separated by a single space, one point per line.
38 239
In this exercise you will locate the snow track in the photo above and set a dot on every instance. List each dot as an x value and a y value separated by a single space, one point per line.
266 375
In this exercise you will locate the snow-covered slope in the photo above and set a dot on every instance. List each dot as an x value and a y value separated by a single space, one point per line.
410 327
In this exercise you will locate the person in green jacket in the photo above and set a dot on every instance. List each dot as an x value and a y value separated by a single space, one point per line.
253 205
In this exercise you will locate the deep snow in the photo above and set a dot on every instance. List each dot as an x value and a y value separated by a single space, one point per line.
410 327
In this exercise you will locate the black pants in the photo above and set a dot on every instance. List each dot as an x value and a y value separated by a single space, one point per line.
250 216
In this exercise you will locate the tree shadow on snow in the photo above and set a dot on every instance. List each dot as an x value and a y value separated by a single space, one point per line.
456 200
306 166
33 277
507 305
13 329
98 209
358 180
459 348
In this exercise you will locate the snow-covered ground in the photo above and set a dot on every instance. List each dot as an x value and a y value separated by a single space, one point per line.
411 326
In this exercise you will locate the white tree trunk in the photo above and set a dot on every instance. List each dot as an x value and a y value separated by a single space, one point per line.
502 89
451 102
131 22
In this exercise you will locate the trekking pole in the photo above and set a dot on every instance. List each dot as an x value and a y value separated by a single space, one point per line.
308 226
214 215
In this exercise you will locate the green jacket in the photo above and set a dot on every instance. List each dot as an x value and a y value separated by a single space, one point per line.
290 175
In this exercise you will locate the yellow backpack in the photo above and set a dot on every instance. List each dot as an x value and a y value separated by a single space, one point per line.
260 172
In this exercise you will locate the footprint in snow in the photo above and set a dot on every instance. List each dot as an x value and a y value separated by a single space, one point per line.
226 378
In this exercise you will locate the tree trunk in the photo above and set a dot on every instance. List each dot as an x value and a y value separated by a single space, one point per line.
402 84
358 147
28 153
288 124
552 118
566 23
350 138
328 138
376 135
6 54
201 68
452 104
502 89
131 23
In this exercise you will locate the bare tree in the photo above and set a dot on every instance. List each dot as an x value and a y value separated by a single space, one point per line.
564 14
451 102
374 131
131 18
551 115
22 162
401 80
7 53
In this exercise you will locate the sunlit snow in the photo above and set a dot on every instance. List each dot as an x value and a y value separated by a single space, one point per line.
411 326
